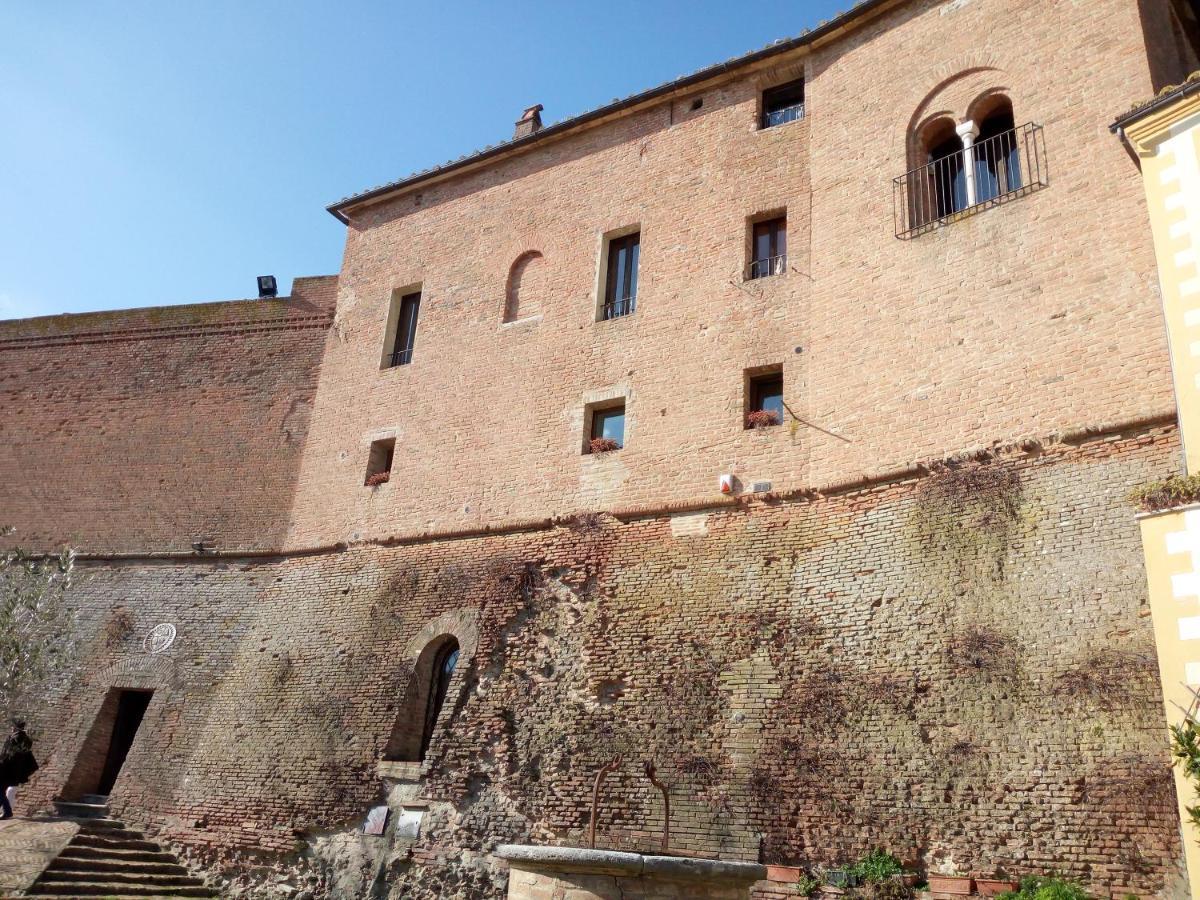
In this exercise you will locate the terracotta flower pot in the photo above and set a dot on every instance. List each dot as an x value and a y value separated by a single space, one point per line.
950 884
990 887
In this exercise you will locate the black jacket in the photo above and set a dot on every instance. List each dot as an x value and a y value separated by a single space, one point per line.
16 759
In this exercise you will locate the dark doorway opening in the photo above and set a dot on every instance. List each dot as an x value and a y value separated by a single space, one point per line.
131 707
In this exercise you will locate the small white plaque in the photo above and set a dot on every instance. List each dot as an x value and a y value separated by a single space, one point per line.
160 638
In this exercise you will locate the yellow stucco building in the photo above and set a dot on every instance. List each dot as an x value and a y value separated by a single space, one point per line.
1165 136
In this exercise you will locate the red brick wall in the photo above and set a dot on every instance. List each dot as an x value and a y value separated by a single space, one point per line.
148 429
1035 316
957 668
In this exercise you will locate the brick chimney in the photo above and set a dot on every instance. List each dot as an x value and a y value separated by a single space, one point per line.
529 123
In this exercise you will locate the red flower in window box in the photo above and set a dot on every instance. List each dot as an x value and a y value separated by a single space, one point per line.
603 445
762 418
378 478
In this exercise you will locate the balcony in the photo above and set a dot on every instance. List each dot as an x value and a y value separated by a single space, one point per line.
763 268
619 306
994 171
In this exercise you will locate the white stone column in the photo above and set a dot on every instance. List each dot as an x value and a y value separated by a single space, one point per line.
968 131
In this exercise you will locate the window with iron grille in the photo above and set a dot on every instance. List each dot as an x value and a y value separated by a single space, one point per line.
405 334
621 276
768 248
783 104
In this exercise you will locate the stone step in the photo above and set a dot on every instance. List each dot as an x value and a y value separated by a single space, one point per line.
166 866
98 799
69 809
117 889
99 824
141 879
109 854
131 840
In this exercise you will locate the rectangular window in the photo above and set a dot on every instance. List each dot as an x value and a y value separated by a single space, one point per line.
405 335
783 104
768 247
379 463
606 431
764 401
620 280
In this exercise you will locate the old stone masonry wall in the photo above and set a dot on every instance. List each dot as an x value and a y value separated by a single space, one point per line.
957 667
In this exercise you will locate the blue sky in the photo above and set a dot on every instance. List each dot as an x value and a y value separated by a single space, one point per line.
170 151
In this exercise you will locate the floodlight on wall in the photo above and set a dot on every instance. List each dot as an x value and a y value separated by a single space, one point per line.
267 286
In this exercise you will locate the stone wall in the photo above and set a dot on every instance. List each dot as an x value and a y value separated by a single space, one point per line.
146 430
957 667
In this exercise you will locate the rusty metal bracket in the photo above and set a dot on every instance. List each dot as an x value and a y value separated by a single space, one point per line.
600 776
648 767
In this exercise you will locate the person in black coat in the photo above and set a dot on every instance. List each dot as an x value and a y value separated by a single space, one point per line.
16 765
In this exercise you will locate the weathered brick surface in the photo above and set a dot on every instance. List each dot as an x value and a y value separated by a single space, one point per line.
958 668
145 430
1039 315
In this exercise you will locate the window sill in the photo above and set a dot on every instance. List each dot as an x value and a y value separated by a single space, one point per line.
399 771
781 126
516 323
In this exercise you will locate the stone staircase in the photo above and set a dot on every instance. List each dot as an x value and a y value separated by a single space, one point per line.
109 861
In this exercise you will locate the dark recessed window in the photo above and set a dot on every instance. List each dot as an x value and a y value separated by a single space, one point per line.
379 462
697 103
607 430
444 663
765 401
769 248
406 330
783 104
620 282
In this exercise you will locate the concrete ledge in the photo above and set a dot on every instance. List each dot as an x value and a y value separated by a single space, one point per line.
629 865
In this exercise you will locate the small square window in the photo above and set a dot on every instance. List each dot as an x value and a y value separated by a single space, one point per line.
768 248
606 427
764 399
783 104
379 462
621 275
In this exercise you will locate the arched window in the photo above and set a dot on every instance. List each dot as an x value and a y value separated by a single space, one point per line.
942 187
444 662
997 156
419 708
525 287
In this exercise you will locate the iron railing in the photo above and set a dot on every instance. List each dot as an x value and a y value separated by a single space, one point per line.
619 306
783 115
995 170
402 357
770 265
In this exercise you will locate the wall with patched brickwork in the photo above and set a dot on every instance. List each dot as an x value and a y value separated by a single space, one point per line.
1038 315
957 667
147 429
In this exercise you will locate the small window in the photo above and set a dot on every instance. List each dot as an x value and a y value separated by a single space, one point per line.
379 463
768 248
403 330
621 276
783 104
606 430
764 406
444 664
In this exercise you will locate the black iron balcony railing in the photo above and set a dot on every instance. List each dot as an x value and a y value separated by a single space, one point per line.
620 306
771 265
402 357
994 171
783 115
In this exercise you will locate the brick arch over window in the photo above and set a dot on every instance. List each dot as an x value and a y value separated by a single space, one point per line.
525 286
438 657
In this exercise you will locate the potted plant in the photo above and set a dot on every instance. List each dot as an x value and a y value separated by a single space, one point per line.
378 478
950 884
603 445
762 418
997 883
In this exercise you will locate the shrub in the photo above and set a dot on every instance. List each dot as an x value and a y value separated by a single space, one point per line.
877 866
378 478
1174 491
1041 887
603 445
761 418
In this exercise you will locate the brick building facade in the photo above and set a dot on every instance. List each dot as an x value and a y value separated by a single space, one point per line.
917 619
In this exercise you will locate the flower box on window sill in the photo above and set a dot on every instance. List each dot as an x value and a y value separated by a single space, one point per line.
762 418
378 478
603 445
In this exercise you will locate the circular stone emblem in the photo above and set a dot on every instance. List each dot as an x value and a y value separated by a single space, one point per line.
160 638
